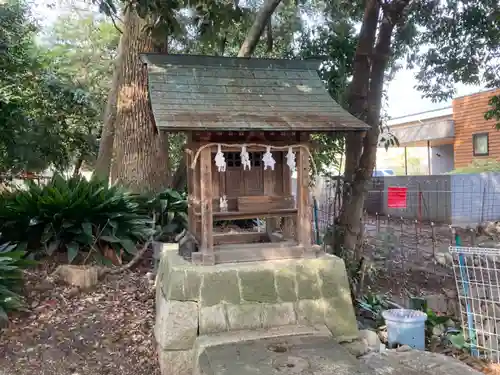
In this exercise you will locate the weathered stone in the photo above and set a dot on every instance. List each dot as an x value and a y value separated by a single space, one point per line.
370 338
178 362
333 276
173 286
357 347
258 286
291 355
340 317
310 311
244 316
281 314
307 280
286 284
415 362
218 287
213 319
192 286
176 325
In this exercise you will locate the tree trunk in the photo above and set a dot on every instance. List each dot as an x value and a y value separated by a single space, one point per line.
353 211
141 153
77 166
348 222
259 24
105 156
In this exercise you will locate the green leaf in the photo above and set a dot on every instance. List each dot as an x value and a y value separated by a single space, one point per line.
53 246
129 246
73 249
110 239
458 341
87 228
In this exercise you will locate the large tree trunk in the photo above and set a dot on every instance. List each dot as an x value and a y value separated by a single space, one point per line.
140 159
348 221
105 156
352 210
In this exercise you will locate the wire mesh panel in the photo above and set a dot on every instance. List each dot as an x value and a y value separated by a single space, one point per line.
477 275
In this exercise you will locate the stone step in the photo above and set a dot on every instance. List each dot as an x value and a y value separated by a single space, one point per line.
301 355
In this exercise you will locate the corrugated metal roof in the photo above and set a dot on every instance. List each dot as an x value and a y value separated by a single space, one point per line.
190 92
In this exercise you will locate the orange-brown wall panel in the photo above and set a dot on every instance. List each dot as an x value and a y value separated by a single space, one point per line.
468 114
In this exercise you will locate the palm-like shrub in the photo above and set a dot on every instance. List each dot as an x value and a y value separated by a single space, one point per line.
11 265
82 218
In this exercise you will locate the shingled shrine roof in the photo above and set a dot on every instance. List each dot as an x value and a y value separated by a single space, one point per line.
190 92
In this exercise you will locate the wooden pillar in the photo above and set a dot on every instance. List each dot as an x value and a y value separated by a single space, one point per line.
269 184
303 204
207 240
191 193
288 225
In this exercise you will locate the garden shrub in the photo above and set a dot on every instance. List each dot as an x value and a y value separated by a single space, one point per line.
11 265
170 208
82 218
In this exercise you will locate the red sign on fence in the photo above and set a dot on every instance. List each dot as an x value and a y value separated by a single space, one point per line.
396 197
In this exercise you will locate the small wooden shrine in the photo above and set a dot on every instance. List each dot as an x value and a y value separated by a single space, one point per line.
248 124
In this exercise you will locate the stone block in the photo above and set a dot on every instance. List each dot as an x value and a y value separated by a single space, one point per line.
307 280
213 319
173 285
192 286
310 311
244 316
333 277
258 286
280 314
218 287
286 284
176 362
340 317
176 325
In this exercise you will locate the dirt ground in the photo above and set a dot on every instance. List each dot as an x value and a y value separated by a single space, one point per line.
106 331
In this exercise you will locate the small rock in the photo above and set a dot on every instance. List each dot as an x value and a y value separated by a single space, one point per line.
44 286
357 348
438 330
370 338
403 348
73 292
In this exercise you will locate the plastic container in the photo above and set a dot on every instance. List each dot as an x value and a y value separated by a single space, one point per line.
405 327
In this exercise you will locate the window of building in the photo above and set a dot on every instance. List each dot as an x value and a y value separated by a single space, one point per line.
233 159
480 144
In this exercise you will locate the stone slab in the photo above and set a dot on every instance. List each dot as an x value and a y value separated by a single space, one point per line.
176 362
301 355
176 326
228 338
414 362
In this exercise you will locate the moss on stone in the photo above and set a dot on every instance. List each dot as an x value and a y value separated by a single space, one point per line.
333 279
220 287
175 285
307 281
286 285
192 286
258 286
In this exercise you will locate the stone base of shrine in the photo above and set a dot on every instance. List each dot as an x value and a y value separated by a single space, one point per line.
201 306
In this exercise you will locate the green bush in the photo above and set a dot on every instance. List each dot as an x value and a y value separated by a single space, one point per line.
170 208
76 216
11 265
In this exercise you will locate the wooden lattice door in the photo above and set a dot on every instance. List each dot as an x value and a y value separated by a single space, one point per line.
236 182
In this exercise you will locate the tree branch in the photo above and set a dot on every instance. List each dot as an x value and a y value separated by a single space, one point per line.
259 24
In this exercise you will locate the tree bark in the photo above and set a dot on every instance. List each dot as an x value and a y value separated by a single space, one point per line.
105 155
259 24
352 211
77 166
348 221
141 152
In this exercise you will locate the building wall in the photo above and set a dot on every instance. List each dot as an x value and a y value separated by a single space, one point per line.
442 159
468 114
